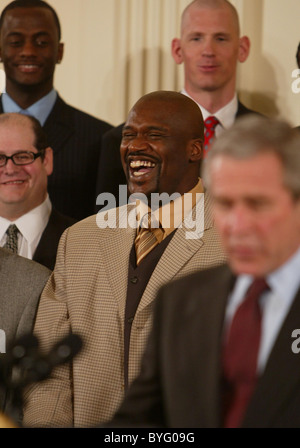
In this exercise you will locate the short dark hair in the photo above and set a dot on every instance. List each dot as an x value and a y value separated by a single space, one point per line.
31 4
41 140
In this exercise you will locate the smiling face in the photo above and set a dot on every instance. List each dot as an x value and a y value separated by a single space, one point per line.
210 48
157 151
22 188
256 215
30 48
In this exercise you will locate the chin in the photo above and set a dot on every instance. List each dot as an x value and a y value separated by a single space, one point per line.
247 267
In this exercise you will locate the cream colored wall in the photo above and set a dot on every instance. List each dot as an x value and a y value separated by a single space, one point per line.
117 50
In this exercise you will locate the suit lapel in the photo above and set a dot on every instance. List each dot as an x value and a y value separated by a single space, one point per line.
281 375
59 125
116 245
182 247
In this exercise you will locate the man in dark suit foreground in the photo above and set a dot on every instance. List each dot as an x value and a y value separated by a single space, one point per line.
26 161
208 361
30 48
210 48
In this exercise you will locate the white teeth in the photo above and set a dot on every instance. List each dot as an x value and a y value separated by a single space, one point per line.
14 182
139 163
28 67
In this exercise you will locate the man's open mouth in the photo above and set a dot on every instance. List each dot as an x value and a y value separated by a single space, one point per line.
140 167
13 182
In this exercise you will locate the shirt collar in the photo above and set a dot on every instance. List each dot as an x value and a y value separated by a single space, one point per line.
31 223
225 115
171 215
284 281
40 110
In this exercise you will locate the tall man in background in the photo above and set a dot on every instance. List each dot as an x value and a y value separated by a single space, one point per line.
30 48
210 48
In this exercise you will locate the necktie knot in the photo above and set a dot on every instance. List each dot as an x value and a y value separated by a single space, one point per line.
210 124
12 238
150 234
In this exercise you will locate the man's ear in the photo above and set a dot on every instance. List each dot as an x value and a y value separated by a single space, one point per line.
48 160
195 150
60 52
244 48
176 50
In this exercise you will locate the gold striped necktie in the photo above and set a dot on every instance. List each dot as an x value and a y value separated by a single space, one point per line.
147 238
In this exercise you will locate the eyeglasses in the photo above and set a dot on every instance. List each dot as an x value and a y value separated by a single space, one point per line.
21 158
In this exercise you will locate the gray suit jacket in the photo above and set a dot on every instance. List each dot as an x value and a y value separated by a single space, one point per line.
87 294
21 284
180 381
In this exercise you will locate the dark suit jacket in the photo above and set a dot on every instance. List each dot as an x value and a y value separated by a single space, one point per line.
21 284
75 138
45 252
179 384
110 172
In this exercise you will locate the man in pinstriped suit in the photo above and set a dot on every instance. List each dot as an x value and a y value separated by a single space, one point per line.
97 288
30 48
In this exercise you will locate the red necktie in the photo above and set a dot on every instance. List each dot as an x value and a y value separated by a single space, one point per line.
210 124
240 355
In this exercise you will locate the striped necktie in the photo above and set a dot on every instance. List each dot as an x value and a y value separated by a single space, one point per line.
147 238
12 238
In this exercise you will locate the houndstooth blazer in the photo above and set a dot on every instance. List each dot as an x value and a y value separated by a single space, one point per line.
86 294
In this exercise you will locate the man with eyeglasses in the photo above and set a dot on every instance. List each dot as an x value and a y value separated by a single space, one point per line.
29 225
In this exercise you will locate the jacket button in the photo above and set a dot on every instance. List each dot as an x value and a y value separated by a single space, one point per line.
134 280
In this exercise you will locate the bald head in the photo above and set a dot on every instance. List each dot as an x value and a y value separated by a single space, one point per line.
179 109
26 121
161 148
196 5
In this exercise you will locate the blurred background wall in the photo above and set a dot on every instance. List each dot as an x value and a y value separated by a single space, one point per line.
118 50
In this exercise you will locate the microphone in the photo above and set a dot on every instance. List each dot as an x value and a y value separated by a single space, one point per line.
29 365
25 364
40 367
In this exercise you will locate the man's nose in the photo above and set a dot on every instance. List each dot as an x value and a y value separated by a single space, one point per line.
138 143
240 220
9 167
28 48
208 48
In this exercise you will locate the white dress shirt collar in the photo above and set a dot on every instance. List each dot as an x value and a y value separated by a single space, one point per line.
226 115
31 226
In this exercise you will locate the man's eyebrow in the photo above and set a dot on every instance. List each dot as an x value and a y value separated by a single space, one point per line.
19 33
148 128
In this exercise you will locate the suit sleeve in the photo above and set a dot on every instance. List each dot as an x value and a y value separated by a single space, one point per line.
49 403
